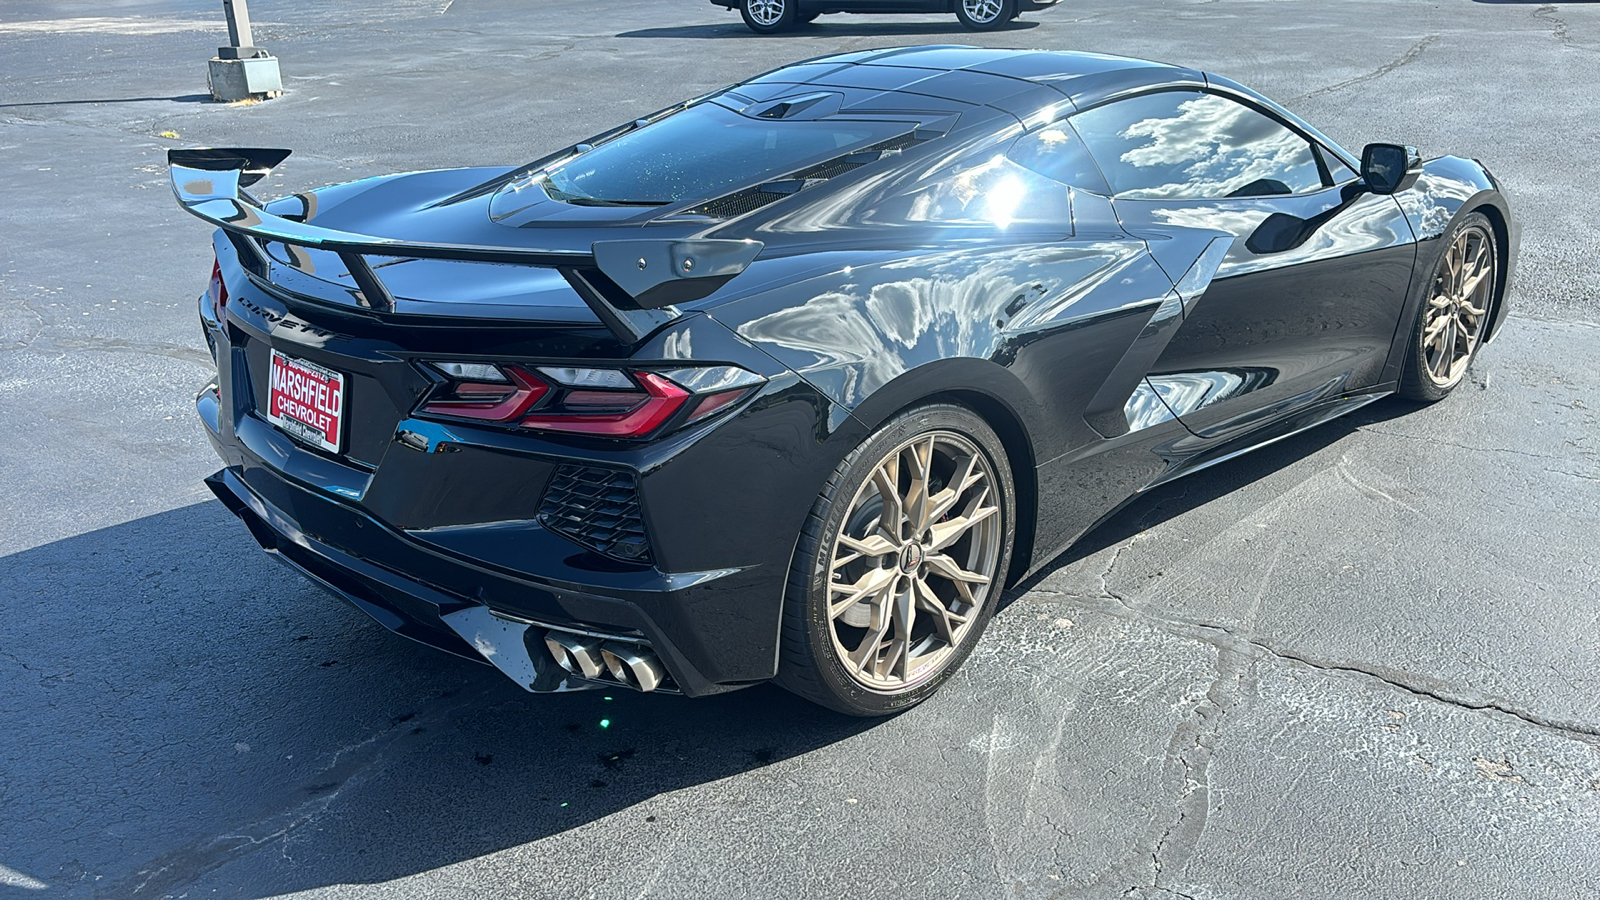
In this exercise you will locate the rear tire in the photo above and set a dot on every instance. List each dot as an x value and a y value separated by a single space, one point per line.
985 15
1453 318
896 571
768 16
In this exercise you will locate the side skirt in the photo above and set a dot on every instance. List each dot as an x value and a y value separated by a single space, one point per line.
1283 429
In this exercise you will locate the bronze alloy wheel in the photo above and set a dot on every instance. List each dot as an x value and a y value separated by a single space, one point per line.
902 563
916 558
1458 307
1455 318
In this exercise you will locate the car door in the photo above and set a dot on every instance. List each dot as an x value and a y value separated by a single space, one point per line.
1296 313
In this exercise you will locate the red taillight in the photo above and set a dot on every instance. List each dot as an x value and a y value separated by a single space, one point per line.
217 293
710 403
628 413
600 401
491 401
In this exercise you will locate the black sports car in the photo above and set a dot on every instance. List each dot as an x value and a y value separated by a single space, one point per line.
772 16
790 380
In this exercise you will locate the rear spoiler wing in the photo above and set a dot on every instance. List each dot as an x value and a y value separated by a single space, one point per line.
630 285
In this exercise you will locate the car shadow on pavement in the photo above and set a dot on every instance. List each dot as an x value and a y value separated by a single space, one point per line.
823 28
184 712
1178 497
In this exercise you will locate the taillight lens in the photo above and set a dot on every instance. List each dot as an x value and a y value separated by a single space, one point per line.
488 393
217 293
603 402
613 413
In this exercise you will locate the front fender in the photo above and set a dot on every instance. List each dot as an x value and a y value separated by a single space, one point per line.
1449 188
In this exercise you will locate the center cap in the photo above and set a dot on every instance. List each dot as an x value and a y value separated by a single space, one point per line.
911 558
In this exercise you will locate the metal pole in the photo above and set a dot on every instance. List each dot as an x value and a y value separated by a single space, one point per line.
238 13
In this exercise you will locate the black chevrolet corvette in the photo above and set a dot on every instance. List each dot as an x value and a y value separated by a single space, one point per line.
789 381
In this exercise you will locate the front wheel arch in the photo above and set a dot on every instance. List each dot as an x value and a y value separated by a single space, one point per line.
1502 236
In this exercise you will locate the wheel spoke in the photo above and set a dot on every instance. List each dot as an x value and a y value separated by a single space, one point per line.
948 532
871 546
947 567
945 622
946 499
1447 347
870 587
917 499
887 481
1474 282
898 661
865 656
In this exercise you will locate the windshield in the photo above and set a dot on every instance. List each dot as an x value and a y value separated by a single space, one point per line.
703 152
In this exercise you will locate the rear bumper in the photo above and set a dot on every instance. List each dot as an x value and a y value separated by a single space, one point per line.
444 619
493 592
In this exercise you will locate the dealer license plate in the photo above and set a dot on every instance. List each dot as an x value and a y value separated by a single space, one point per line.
307 401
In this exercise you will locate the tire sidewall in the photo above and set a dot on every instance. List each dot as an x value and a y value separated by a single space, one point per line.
1415 383
852 696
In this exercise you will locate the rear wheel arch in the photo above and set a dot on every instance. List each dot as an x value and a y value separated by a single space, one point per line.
1019 454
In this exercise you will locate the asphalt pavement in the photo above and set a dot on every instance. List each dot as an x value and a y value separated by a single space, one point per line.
1359 663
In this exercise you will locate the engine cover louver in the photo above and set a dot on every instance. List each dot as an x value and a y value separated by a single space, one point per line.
750 199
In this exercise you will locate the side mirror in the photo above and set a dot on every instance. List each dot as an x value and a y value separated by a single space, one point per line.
1389 168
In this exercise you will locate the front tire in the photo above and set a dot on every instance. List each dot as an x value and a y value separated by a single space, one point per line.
900 564
1453 319
985 15
768 16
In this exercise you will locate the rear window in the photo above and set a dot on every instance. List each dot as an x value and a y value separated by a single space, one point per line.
702 152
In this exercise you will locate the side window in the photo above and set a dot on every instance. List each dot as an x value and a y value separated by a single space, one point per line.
1188 144
1338 172
1058 154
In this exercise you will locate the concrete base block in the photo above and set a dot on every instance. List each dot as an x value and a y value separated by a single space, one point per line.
244 79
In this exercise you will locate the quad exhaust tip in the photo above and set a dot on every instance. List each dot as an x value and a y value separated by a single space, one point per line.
576 653
634 665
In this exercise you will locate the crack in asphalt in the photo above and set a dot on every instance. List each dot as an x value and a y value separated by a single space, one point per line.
1226 638
182 866
1558 26
42 342
17 659
1405 59
1196 736
1190 750
1467 447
